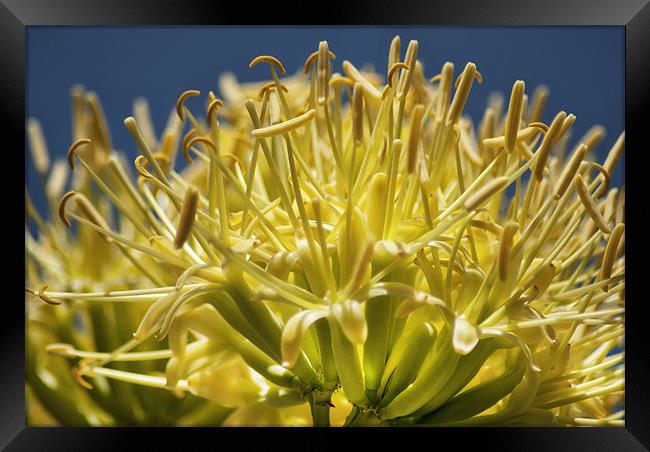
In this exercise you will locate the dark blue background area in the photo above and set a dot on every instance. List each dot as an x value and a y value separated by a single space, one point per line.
582 66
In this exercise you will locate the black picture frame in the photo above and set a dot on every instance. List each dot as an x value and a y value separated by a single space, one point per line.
17 15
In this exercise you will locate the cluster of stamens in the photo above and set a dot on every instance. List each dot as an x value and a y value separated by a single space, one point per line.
439 273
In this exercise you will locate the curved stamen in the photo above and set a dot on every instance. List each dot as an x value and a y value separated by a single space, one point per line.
73 149
212 108
267 59
191 143
539 125
264 90
141 167
61 210
311 58
477 74
393 69
605 187
80 371
45 298
180 103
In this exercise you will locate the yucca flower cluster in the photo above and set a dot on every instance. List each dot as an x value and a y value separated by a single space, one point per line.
339 250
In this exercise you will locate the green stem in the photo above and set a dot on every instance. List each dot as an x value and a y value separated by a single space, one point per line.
319 403
330 374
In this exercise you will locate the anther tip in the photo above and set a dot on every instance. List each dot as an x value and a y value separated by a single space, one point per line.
78 373
45 298
73 149
61 210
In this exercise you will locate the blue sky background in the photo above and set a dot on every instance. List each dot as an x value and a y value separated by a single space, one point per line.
582 66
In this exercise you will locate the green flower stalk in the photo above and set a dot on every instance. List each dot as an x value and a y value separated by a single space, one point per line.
376 262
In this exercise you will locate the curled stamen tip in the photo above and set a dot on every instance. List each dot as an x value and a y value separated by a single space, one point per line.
192 133
311 58
212 108
181 101
73 150
45 298
539 125
267 59
604 188
393 69
79 373
477 75
191 143
203 140
61 209
267 87
140 166
186 153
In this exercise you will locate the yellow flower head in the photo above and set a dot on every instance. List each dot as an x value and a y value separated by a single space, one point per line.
380 260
